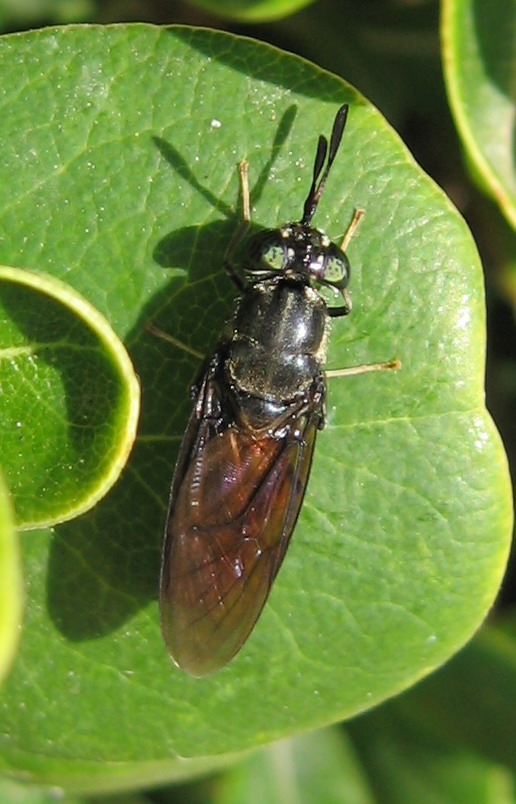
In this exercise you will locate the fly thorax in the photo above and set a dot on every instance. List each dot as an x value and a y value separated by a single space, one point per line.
279 340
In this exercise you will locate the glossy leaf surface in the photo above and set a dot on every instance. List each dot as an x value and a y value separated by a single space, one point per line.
119 174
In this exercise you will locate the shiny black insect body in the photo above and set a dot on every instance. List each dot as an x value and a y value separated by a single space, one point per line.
245 459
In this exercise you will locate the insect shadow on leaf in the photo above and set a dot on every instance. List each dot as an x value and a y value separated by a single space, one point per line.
246 455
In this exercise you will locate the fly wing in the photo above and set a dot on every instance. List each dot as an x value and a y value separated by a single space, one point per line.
235 501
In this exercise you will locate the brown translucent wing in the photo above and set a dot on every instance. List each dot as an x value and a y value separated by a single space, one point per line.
235 501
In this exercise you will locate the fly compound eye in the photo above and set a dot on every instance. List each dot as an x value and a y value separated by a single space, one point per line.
268 251
336 267
273 256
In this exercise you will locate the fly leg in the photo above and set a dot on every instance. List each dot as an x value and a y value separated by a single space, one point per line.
345 308
241 231
159 333
358 214
390 365
227 260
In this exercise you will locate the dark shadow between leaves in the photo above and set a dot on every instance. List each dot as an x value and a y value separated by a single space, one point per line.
104 566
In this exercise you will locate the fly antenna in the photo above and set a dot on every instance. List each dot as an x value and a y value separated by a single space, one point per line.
316 189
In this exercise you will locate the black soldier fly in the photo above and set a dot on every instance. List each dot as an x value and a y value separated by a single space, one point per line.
244 462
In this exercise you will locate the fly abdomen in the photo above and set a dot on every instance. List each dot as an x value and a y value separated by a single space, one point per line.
255 371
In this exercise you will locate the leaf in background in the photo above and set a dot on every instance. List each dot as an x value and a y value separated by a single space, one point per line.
320 766
70 399
479 63
453 734
253 10
32 12
11 587
17 793
120 147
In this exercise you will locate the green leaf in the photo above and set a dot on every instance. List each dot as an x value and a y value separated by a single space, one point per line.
454 734
480 62
26 12
253 10
70 404
17 793
406 765
120 148
11 588
484 672
320 766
